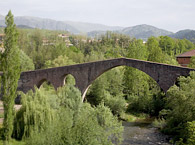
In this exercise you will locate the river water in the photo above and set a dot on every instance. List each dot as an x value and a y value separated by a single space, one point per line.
142 134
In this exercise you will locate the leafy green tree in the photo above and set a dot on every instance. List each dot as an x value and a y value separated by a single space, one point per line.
26 62
167 45
180 105
154 51
192 62
59 61
190 133
134 78
10 63
108 89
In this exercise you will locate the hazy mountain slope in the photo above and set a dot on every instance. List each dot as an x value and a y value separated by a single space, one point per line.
73 27
41 23
144 31
187 34
96 34
88 27
23 27
35 22
140 31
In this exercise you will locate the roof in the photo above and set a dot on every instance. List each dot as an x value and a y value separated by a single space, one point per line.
187 54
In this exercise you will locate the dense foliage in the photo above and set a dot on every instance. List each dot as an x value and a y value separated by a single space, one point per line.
180 106
60 118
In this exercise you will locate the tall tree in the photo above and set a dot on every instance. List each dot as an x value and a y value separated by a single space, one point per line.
10 64
154 51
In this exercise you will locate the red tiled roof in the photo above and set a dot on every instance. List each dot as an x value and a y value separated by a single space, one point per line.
187 54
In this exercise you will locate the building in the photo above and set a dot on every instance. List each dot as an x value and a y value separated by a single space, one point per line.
184 58
66 39
1 38
1 42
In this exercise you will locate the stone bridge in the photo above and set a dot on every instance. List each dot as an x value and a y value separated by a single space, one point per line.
84 74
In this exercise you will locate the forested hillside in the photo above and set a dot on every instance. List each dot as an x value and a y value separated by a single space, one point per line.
185 34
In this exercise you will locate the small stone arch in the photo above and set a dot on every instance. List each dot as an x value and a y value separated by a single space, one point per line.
69 79
42 81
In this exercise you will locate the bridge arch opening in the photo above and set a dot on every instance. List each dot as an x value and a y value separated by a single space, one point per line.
111 86
124 69
69 80
44 83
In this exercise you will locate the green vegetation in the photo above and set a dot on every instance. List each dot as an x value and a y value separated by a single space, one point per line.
57 117
60 118
10 64
180 107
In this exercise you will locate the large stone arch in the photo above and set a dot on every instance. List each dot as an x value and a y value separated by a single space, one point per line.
100 74
165 75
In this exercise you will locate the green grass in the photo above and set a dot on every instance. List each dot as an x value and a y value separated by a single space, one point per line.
138 117
14 142
1 115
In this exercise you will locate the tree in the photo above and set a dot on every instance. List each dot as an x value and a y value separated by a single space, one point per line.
180 106
192 62
26 62
10 64
167 44
155 52
134 78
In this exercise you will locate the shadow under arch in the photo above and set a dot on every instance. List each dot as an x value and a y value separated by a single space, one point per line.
44 83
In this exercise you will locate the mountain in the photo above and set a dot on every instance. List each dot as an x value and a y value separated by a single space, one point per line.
88 27
72 27
145 31
95 30
96 34
23 27
139 32
187 34
35 22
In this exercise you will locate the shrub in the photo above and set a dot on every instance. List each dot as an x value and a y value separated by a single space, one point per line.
116 104
180 107
71 123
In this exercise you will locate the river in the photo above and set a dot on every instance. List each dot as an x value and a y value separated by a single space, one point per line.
142 134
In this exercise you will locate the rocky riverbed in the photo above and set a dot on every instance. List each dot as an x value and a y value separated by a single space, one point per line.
143 134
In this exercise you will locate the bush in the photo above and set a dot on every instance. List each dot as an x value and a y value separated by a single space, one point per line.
159 123
116 104
67 124
140 104
190 129
180 107
33 115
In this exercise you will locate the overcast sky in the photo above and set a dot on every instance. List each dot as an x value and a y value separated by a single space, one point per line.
172 15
